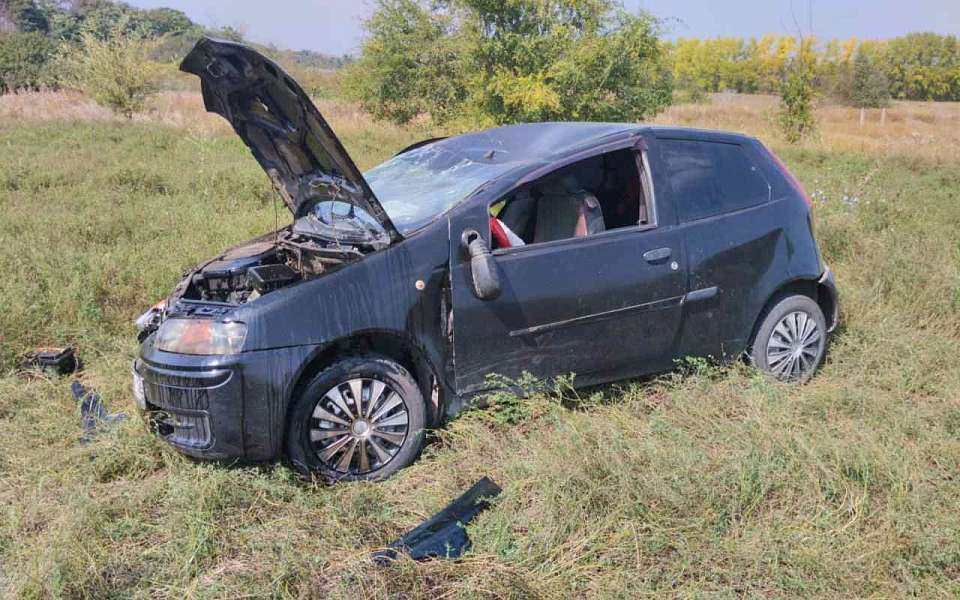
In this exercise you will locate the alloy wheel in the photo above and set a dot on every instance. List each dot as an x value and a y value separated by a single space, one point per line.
794 346
358 426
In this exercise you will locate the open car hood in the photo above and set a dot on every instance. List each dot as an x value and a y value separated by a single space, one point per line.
286 133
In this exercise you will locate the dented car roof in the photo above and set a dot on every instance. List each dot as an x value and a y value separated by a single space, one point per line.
533 142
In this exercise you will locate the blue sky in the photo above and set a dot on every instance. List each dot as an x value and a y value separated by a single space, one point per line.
335 26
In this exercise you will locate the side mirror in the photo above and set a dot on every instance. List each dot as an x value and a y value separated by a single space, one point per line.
483 268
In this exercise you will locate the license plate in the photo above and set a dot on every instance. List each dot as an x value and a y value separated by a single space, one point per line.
138 391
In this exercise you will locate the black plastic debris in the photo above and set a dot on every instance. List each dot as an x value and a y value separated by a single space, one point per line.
56 361
443 535
92 412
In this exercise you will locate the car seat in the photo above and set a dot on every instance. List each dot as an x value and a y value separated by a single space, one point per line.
567 210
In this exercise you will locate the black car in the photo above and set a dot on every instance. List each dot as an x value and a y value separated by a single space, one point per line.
604 250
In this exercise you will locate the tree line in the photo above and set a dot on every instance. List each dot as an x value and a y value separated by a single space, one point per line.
917 66
485 62
33 32
503 61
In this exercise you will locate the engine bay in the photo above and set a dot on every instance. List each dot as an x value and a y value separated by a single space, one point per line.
246 272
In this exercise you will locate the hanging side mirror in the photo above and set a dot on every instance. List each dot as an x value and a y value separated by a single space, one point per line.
483 267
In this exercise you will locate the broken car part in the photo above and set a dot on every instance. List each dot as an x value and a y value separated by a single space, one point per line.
56 361
92 412
444 535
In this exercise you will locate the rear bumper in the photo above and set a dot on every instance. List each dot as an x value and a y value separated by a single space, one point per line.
219 407
828 285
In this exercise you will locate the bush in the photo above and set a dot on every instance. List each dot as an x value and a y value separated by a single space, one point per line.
24 61
115 72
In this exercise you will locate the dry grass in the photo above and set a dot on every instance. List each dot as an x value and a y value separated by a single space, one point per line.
930 130
34 108
183 109
927 129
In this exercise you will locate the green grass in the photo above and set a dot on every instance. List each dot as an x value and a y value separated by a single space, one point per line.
711 482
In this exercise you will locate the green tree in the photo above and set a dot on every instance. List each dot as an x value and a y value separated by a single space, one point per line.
24 61
868 87
923 66
797 95
410 64
165 21
69 20
25 15
507 61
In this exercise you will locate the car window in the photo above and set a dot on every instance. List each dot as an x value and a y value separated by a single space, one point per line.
711 178
589 197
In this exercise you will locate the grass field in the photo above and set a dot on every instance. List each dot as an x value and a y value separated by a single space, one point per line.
710 482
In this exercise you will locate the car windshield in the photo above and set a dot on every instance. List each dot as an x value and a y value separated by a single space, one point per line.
418 185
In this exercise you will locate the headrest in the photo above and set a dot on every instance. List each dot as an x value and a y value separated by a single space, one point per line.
590 173
560 186
585 176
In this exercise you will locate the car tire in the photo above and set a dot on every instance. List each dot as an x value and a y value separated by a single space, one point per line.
330 436
791 342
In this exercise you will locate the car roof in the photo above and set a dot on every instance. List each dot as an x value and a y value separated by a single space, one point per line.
543 142
673 131
534 142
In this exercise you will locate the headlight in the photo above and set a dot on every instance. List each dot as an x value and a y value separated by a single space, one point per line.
200 336
151 317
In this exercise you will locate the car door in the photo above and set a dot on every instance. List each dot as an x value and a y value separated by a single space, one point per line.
733 236
603 306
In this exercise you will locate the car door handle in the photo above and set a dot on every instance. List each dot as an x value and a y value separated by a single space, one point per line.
657 255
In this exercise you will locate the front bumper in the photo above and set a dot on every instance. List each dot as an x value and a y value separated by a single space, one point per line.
218 407
199 412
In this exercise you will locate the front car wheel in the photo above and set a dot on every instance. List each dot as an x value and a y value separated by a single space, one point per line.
361 418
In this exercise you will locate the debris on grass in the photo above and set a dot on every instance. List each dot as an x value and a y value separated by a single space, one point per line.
92 412
54 361
443 535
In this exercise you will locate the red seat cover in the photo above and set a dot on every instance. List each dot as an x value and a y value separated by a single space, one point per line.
500 238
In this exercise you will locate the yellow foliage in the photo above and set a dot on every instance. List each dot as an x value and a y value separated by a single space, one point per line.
918 66
529 93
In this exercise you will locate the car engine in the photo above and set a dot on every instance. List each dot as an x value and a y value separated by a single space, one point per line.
246 272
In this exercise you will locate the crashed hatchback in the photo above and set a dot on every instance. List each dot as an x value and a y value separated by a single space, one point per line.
604 250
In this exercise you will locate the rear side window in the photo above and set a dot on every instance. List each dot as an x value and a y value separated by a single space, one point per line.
711 178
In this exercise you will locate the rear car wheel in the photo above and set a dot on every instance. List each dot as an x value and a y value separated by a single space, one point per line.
792 340
361 418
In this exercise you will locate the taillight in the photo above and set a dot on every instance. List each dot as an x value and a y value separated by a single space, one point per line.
790 177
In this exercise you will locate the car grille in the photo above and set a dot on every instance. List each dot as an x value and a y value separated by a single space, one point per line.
178 399
179 393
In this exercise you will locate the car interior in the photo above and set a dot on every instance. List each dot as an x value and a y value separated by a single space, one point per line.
588 197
